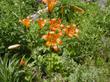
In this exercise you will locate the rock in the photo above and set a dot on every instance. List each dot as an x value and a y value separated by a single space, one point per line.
102 4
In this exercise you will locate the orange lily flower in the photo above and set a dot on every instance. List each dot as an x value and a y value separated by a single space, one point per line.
55 24
26 22
55 27
41 22
54 20
55 48
52 40
22 62
71 31
51 4
60 33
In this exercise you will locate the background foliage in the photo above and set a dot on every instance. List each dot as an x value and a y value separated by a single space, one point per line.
88 59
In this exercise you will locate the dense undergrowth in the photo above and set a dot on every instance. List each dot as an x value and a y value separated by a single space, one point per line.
81 58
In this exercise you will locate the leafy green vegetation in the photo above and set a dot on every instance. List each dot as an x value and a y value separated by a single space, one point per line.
79 55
